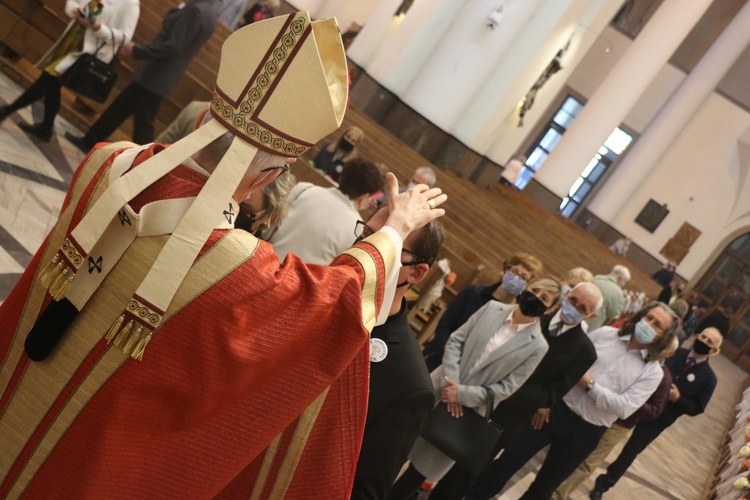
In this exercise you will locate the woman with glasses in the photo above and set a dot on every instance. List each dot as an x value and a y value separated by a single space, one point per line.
498 347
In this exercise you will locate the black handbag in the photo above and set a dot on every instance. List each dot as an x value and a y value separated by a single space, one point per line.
469 440
91 77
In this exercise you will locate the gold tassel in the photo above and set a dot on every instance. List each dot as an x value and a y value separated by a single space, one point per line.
122 336
52 276
54 288
62 290
50 272
114 328
133 339
141 347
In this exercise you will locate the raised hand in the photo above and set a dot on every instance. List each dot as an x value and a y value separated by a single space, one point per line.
413 208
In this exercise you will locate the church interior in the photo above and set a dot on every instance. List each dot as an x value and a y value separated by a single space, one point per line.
633 118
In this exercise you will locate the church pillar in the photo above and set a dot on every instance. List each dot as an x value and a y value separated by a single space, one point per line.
380 24
310 6
546 32
619 91
441 87
508 136
347 12
404 52
643 157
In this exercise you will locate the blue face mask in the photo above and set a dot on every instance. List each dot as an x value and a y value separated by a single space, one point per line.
565 290
512 283
644 333
569 314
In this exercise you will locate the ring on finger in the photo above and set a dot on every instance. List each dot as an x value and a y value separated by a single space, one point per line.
431 203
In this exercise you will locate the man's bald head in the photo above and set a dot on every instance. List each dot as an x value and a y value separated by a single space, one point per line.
586 299
590 294
708 342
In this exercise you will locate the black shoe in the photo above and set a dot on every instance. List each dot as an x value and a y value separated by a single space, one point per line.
36 130
595 494
77 142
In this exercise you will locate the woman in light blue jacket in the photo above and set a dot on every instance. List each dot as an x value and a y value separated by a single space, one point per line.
97 24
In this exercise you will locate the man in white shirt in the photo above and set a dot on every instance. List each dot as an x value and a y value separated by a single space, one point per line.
624 376
321 221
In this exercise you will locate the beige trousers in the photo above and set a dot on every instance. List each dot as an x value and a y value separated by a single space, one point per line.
609 440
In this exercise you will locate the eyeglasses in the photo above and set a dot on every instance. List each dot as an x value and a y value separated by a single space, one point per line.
362 231
417 259
283 168
271 170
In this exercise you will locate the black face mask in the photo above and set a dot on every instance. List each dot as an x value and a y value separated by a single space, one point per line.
701 348
530 305
345 145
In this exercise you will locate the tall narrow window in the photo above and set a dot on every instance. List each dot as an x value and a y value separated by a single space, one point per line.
549 139
613 147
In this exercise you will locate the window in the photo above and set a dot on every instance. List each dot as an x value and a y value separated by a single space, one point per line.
613 147
549 138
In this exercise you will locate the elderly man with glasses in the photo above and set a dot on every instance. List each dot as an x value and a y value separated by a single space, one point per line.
401 395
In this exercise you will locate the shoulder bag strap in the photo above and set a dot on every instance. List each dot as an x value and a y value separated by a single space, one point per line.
490 402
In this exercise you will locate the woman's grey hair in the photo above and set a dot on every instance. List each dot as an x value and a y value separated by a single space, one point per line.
276 196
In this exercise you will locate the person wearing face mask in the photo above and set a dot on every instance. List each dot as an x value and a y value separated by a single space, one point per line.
262 213
401 396
570 354
693 384
625 374
519 268
498 347
334 155
650 410
320 221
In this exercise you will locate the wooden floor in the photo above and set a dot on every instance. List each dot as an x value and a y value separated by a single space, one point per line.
678 462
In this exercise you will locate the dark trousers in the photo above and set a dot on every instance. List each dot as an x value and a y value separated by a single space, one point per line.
407 485
572 440
134 100
47 87
514 420
643 434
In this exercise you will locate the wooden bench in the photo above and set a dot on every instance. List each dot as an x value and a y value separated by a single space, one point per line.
483 227
490 224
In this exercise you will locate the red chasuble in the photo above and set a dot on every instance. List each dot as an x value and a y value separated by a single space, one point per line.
242 392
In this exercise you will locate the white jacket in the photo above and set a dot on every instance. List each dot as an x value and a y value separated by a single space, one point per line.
118 20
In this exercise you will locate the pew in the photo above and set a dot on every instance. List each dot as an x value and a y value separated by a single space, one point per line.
483 226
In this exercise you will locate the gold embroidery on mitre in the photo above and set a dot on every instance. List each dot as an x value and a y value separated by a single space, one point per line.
241 118
139 322
61 271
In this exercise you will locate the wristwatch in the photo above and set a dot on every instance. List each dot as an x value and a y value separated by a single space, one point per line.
590 385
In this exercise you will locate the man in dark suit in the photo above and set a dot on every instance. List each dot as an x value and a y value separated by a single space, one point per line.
569 356
401 394
693 384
